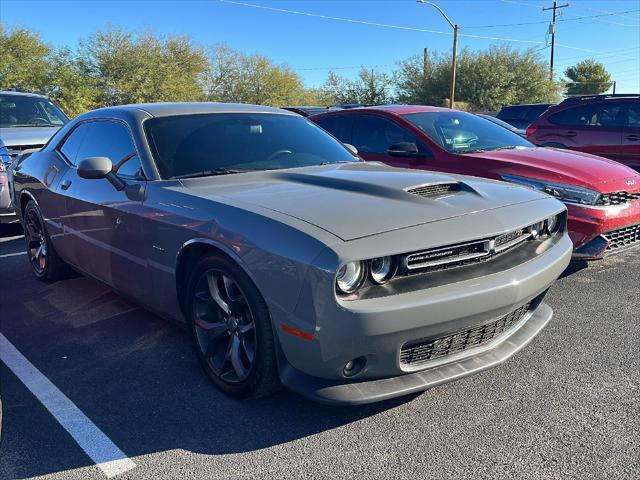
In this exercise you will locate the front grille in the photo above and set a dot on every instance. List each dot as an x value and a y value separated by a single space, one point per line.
16 150
424 350
617 198
436 190
623 237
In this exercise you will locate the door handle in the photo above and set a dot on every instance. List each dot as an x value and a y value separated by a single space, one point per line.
570 134
633 137
65 184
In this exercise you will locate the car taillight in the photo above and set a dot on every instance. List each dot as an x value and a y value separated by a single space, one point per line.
531 130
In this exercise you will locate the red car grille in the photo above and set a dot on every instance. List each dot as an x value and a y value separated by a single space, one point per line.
623 237
424 350
618 198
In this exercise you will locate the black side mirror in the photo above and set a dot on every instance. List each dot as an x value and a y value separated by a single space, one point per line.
403 149
94 168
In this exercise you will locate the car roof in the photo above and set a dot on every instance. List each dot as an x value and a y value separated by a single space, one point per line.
21 94
192 108
393 109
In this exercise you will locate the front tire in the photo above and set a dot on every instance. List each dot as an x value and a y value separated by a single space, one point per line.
231 329
43 258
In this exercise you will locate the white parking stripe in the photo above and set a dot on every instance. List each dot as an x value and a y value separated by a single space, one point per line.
107 456
12 254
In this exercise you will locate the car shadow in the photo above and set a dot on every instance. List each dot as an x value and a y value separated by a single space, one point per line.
574 267
136 376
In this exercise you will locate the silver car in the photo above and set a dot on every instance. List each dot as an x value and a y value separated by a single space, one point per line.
27 121
291 261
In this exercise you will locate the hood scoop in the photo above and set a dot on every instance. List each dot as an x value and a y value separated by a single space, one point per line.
435 190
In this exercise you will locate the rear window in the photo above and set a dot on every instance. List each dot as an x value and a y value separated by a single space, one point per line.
190 145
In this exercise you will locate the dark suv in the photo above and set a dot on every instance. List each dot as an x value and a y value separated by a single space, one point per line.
605 125
520 116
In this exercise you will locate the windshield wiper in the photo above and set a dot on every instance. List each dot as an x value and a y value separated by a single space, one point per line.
339 161
211 173
506 147
32 125
472 150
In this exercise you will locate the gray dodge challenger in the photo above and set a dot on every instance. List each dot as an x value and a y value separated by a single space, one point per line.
291 261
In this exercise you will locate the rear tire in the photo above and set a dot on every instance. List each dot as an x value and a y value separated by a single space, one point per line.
231 329
43 258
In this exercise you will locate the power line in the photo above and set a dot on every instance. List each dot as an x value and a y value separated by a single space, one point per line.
570 19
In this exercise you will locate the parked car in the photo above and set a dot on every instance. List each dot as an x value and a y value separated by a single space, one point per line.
605 125
497 121
289 258
309 110
27 121
7 213
602 196
521 116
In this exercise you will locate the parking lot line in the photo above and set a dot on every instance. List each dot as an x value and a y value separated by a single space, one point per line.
15 254
106 455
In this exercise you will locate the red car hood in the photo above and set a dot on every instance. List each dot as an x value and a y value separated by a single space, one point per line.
564 166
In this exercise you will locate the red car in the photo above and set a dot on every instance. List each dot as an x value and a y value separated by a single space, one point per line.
602 196
605 125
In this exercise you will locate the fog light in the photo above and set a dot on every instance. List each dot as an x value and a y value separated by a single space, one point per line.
353 367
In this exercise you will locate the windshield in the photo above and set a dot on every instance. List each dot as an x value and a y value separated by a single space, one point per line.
460 132
213 144
27 111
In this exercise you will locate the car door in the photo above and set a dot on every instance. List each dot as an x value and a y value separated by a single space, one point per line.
374 135
630 144
104 223
593 128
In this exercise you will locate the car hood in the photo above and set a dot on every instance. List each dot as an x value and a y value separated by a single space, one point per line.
564 166
359 199
19 136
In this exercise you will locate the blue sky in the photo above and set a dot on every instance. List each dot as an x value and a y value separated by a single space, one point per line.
371 33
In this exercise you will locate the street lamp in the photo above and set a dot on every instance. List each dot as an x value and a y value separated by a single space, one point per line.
455 27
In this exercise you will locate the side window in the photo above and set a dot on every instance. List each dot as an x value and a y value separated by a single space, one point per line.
633 115
112 140
596 115
376 134
338 126
72 143
129 167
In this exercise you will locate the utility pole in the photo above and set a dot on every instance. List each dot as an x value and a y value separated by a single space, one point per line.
425 63
454 61
553 32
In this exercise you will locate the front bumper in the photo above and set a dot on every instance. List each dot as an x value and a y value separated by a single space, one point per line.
326 391
377 328
592 229
7 214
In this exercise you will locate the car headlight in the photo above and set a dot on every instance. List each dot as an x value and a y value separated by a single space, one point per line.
552 224
538 229
350 276
564 193
381 269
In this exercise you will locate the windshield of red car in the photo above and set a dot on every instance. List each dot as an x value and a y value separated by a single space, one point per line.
461 132
29 111
198 145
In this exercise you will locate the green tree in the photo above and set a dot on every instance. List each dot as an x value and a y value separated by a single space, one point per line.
236 77
24 60
587 77
485 80
136 68
368 87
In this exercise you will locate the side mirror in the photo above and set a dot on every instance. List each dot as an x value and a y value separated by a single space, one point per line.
351 148
403 149
94 168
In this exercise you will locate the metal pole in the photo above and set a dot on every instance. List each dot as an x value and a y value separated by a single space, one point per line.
553 32
454 64
614 87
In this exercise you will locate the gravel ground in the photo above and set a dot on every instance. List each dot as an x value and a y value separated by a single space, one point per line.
564 407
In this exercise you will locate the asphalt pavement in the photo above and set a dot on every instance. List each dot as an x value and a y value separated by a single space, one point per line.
567 406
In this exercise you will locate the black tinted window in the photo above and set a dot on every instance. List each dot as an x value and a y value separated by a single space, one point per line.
338 126
594 115
72 143
187 145
633 114
376 134
107 139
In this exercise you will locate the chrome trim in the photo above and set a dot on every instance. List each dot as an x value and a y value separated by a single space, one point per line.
487 244
512 243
